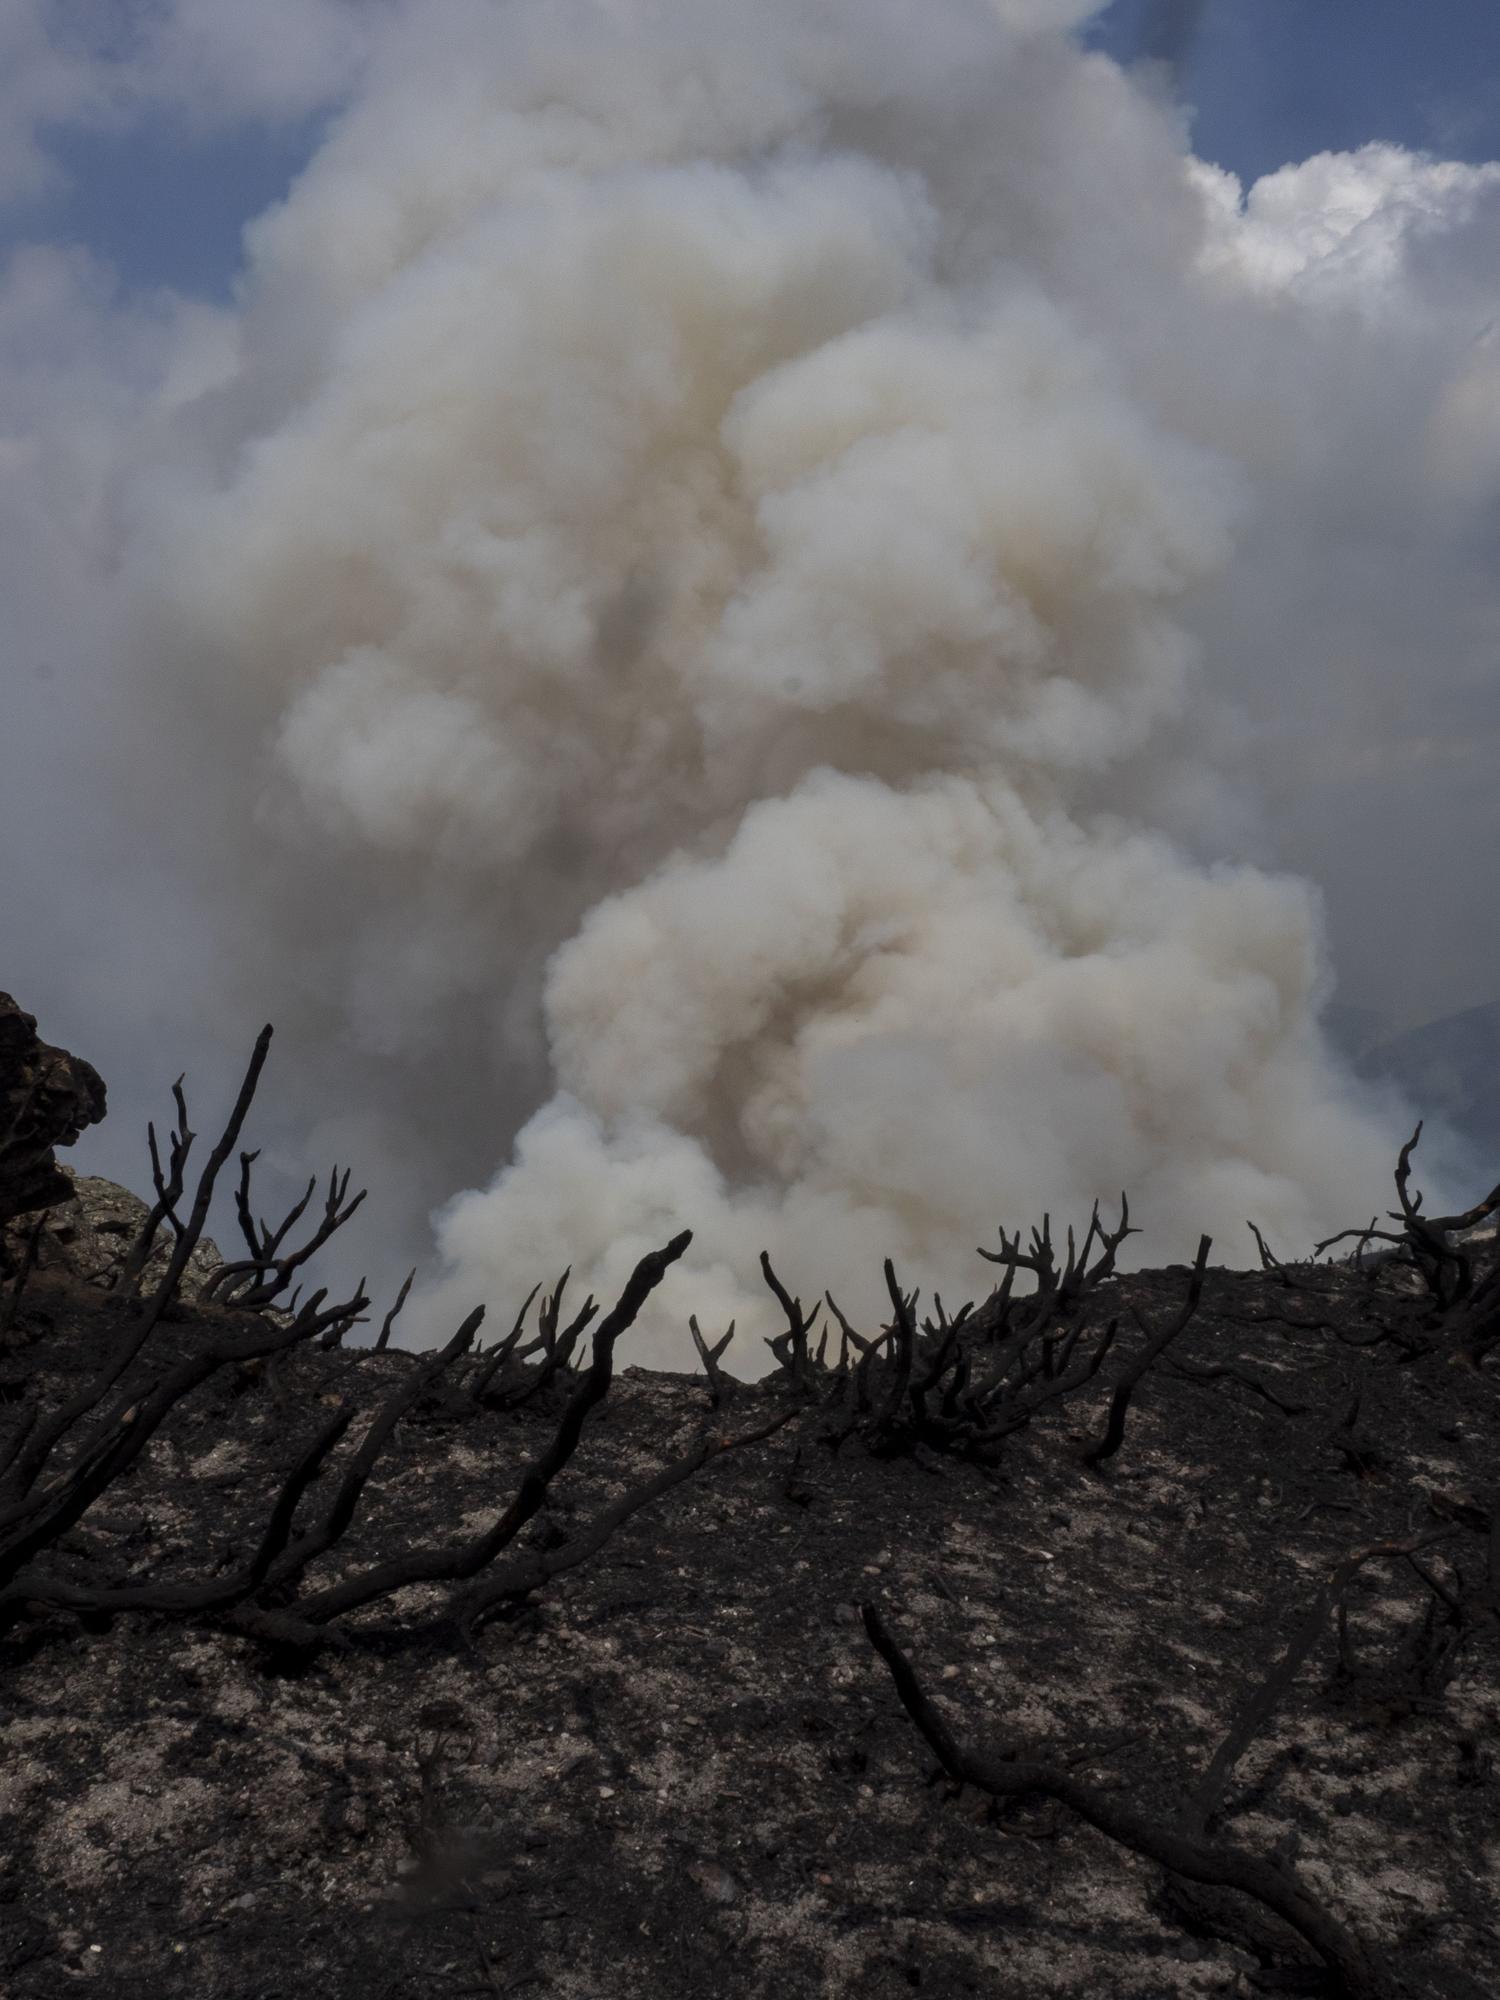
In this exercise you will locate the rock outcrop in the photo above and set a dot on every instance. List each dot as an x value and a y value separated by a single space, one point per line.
47 1098
87 1234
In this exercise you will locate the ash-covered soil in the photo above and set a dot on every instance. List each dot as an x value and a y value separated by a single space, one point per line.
682 1767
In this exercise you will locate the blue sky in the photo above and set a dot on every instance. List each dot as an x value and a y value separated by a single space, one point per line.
1269 81
164 209
1276 80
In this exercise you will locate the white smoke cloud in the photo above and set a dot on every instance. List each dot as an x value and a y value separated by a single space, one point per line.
899 1012
682 636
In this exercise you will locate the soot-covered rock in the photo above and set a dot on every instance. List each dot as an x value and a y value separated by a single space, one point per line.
47 1098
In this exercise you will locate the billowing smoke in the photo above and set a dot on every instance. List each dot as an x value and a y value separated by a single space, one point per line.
685 638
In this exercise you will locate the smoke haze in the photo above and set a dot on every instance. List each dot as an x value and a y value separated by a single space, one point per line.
730 631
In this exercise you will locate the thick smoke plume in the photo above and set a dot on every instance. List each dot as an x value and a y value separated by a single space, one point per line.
683 633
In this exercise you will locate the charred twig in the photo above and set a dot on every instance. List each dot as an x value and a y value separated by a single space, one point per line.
260 1241
168 1183
187 1241
1269 1880
849 1340
1371 1233
501 1353
1459 1298
259 1279
383 1338
790 1348
889 1428
1227 1373
1281 1273
721 1386
1256 1711
555 1348
1078 1275
1038 1260
341 1329
1269 1261
197 1598
1443 1263
342 1508
1059 1294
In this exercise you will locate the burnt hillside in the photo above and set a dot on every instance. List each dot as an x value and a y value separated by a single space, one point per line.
1129 1635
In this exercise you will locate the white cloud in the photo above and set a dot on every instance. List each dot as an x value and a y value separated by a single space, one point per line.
1340 224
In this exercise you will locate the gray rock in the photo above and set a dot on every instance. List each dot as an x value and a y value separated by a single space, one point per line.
86 1235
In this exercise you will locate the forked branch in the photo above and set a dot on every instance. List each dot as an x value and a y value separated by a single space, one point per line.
260 1279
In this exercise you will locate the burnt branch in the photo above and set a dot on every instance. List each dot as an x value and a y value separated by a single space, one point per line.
187 1241
341 1510
339 1332
35 1519
383 1338
261 1242
890 1416
1060 1293
168 1182
260 1279
849 1340
1282 1273
1079 1276
502 1351
1459 1306
1226 1372
266 1595
306 1621
721 1386
1269 1261
198 1599
963 1384
557 1347
1156 1345
1200 1810
551 1353
1016 1773
791 1348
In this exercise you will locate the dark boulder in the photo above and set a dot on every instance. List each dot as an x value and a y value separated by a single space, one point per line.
47 1098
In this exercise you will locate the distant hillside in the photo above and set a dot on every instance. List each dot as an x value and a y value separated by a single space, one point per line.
1449 1068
